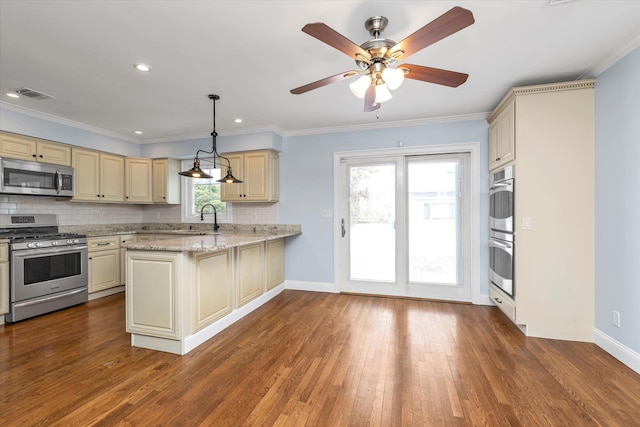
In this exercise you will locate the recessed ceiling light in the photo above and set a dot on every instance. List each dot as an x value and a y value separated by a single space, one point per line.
238 120
142 67
137 132
12 95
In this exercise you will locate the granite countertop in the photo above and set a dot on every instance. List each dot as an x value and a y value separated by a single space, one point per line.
211 242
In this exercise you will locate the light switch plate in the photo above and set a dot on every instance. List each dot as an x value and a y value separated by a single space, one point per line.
526 223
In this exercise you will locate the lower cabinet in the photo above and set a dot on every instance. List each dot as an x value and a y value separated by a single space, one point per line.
104 263
274 263
4 279
213 287
123 256
249 272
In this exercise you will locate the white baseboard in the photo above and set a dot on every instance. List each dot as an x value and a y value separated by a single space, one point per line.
618 350
483 300
311 286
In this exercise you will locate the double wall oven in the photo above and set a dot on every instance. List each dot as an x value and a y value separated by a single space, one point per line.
47 269
502 230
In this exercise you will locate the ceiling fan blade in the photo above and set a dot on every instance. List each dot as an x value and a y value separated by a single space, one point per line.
370 103
328 35
434 75
323 82
451 22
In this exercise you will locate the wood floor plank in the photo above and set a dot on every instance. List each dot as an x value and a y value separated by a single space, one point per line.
311 359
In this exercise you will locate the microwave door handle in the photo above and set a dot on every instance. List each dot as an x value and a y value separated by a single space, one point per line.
58 182
502 245
494 186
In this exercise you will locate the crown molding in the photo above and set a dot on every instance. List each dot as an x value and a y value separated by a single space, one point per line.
67 122
615 56
388 125
201 135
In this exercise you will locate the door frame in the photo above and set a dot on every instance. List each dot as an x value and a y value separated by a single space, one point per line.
339 194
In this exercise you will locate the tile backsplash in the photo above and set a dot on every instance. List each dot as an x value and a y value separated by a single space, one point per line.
76 213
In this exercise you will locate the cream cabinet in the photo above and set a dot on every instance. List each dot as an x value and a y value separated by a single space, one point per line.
249 272
4 278
259 171
104 263
154 294
213 287
138 180
274 263
166 181
502 135
554 191
125 238
99 177
22 147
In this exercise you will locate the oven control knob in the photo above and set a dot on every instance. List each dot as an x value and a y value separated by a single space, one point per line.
55 243
69 242
76 240
31 245
38 244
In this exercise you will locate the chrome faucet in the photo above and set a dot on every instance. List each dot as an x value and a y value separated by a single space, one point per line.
215 216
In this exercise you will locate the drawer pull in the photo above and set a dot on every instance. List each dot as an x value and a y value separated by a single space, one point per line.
498 300
103 244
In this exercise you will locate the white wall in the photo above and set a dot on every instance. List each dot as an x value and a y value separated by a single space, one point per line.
617 200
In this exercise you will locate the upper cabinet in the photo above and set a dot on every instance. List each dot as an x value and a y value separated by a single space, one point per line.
99 177
166 181
259 171
138 180
22 147
502 134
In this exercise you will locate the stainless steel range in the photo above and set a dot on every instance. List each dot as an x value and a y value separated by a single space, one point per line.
48 269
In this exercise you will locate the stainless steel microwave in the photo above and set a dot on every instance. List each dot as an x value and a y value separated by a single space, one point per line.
35 179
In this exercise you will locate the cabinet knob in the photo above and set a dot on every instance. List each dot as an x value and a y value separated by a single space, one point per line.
497 159
33 155
40 156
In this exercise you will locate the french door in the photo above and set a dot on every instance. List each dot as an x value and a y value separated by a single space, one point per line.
404 226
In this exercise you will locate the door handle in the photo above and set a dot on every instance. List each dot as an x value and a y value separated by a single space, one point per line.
344 231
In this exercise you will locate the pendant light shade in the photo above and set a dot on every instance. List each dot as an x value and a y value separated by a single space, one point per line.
195 171
393 77
382 93
359 87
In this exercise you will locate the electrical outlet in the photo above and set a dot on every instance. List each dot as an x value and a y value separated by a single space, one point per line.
616 318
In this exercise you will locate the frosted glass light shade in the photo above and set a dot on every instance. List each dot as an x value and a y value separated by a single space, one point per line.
359 87
393 77
382 93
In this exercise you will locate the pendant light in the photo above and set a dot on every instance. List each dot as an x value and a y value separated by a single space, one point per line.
195 171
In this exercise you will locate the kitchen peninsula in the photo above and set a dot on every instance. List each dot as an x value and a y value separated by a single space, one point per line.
182 291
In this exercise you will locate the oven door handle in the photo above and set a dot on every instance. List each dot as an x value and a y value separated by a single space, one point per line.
496 186
500 244
49 251
58 182
52 297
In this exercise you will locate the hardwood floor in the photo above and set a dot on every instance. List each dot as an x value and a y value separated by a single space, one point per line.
312 359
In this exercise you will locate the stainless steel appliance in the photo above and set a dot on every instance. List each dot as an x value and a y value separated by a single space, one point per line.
48 270
36 179
501 247
502 240
501 201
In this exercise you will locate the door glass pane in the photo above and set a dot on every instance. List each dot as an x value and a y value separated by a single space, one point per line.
433 206
372 238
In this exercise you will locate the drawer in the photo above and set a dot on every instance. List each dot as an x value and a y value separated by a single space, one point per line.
102 243
503 302
4 253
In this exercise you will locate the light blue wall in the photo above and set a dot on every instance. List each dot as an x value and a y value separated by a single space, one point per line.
617 198
12 121
306 188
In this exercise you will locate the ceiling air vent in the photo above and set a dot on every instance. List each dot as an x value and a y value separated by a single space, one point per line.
30 93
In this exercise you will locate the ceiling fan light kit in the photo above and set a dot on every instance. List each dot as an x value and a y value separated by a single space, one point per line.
376 58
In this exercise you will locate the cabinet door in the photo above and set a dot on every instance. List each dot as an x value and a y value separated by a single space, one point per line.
274 265
234 192
111 178
256 180
249 272
506 145
166 181
213 287
17 147
86 165
138 179
493 145
104 270
51 152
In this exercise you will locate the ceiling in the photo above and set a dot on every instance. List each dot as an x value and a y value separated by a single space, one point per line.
252 53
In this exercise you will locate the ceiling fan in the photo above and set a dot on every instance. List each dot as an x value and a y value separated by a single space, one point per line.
377 57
